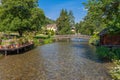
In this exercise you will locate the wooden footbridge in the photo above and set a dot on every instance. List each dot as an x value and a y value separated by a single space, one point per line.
69 37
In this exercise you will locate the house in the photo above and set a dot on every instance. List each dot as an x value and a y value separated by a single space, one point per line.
51 27
107 39
73 29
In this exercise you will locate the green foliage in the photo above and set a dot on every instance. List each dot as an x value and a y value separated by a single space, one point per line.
115 71
94 39
20 16
108 53
102 52
101 14
36 42
49 21
41 36
42 39
47 41
37 19
65 22
116 52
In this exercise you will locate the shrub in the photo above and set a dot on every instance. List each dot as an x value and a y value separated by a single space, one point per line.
94 39
102 52
108 53
115 72
116 51
36 42
47 41
40 36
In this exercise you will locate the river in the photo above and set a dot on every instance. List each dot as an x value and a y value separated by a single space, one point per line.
56 61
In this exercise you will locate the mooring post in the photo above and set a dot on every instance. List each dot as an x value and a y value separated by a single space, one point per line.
5 52
17 51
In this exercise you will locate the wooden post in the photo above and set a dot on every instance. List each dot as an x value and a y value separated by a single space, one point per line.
5 52
17 51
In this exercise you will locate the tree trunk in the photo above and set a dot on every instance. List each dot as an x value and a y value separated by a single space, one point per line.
20 33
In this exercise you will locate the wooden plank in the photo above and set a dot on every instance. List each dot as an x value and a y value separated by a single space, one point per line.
15 49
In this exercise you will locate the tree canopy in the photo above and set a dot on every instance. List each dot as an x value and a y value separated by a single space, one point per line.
65 22
20 15
101 14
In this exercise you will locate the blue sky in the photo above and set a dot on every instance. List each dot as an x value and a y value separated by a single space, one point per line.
52 8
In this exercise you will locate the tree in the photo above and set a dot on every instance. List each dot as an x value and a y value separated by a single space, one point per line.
49 21
37 19
71 17
20 16
104 14
101 14
65 22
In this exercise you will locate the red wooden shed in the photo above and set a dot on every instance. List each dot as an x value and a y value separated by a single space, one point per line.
107 39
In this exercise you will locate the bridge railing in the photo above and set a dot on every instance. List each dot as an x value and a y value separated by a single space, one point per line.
71 36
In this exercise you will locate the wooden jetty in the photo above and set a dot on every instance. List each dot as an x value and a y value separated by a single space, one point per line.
17 49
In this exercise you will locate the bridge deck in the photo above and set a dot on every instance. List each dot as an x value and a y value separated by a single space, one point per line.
71 36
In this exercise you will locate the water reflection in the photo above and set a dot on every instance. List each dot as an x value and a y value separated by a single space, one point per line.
57 61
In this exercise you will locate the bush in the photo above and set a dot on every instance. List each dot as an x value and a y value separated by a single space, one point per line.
94 39
116 51
102 52
115 72
40 36
108 53
47 41
36 42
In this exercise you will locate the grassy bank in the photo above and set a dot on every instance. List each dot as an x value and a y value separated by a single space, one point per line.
42 39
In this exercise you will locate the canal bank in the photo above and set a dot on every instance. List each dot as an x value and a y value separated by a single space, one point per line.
56 61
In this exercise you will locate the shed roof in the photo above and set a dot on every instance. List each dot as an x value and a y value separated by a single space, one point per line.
110 30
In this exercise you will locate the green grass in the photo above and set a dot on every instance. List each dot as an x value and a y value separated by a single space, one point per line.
42 39
41 36
47 41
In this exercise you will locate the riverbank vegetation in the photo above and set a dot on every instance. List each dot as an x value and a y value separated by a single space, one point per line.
41 39
108 53
95 39
102 14
115 71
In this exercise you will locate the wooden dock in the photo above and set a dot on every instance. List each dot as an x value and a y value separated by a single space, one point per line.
17 50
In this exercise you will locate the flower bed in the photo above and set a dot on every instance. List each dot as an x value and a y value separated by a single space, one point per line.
15 43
